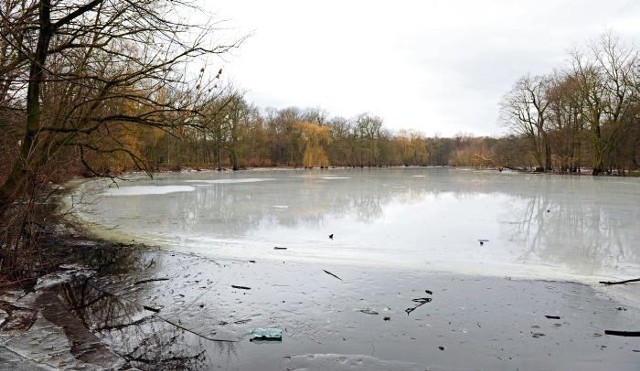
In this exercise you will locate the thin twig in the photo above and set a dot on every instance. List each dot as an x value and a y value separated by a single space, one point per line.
195 333
331 274
241 287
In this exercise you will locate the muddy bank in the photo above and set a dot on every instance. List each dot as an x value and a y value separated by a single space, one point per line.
151 309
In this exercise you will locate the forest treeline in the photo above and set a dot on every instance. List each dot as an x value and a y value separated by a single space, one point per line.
583 115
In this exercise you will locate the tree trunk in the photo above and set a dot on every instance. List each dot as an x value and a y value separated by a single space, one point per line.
598 151
547 153
234 160
21 170
219 156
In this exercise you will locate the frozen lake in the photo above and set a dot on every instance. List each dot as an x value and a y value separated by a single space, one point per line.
532 226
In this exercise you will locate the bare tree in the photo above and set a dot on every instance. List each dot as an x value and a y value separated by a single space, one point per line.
81 80
368 131
618 62
79 70
566 121
605 74
524 111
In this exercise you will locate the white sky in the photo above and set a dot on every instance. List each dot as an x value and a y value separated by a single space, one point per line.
436 66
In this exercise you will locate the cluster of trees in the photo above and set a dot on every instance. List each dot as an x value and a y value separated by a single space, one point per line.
235 134
583 115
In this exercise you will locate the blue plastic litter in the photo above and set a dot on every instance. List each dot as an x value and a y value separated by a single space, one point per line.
267 333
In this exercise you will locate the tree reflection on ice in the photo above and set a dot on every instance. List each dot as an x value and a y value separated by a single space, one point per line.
106 324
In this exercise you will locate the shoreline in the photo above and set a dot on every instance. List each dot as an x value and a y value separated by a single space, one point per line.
332 317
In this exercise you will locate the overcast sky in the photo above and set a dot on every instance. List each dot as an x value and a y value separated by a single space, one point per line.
437 66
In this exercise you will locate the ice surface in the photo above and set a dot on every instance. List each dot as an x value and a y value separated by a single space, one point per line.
343 362
569 227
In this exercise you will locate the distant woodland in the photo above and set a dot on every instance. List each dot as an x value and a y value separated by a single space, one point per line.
97 88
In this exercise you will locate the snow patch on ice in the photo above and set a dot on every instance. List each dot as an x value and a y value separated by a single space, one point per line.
228 181
147 190
57 278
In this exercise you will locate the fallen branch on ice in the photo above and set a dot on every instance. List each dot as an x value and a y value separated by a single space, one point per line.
150 280
620 282
621 333
331 274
